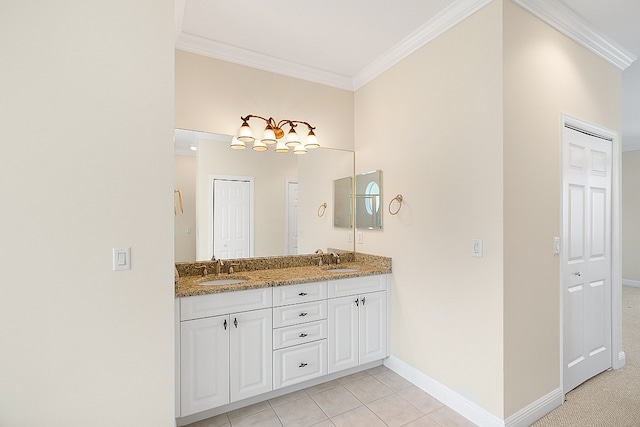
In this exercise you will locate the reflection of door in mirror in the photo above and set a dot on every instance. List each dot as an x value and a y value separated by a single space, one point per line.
368 200
232 217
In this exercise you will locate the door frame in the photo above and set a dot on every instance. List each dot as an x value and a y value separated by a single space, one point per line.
287 182
212 179
617 353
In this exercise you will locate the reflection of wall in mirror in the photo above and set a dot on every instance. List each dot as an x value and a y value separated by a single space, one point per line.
342 202
185 222
316 172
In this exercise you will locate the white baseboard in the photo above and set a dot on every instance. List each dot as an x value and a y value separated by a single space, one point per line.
629 282
470 410
536 410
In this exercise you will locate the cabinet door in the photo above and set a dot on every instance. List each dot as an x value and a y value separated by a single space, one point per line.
373 327
251 356
204 357
343 333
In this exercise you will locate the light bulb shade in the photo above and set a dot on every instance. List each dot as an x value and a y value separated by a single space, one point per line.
300 149
292 138
281 147
236 144
269 136
245 134
312 140
259 145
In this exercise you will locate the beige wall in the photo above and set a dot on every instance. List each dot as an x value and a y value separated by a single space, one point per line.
433 125
545 75
185 181
212 95
87 122
631 215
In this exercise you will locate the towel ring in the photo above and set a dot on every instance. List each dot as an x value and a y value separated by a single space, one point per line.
322 208
398 199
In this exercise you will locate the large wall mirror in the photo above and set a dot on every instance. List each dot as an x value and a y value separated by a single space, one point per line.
243 203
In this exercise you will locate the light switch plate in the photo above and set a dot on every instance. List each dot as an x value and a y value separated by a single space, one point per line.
476 248
360 237
121 259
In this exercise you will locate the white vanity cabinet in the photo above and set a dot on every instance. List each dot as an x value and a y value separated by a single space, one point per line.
357 321
225 348
300 333
255 344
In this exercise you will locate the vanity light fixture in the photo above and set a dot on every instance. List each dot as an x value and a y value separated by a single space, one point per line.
274 134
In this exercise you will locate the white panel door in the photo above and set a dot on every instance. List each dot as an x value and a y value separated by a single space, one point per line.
343 333
250 364
373 327
204 356
292 218
586 259
231 219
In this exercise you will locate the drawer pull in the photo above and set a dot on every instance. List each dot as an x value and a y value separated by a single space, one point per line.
302 335
225 324
357 302
303 314
235 322
302 294
302 365
363 300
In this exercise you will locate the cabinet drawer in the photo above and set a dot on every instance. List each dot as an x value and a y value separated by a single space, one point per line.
357 285
299 313
304 292
299 334
300 363
199 306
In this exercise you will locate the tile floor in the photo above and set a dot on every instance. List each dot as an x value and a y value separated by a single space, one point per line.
375 398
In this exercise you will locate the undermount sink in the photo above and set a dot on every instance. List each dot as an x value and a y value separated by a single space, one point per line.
342 270
222 282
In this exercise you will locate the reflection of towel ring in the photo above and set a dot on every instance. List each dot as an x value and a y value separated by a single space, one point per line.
398 199
322 208
179 202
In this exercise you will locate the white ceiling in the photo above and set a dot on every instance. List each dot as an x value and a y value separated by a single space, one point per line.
344 43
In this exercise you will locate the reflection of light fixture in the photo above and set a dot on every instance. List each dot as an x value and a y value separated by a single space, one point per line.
193 147
273 134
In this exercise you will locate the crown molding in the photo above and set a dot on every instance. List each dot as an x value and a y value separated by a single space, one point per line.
225 52
451 16
573 26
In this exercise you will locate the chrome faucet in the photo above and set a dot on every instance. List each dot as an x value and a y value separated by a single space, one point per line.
319 259
319 251
335 257
231 265
204 269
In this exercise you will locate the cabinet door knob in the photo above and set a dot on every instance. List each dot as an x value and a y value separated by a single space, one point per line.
225 324
302 294
577 273
302 365
302 335
357 301
235 322
363 300
303 314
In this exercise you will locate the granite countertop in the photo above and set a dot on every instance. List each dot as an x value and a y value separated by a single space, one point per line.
189 285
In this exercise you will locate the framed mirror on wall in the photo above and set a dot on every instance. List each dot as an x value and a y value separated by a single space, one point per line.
368 200
285 192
